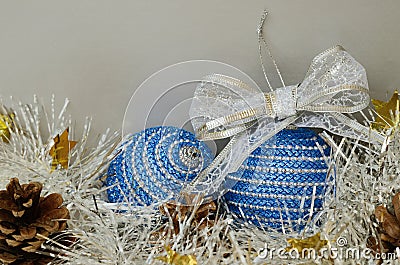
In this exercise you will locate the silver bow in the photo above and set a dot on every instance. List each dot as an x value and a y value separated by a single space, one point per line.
224 106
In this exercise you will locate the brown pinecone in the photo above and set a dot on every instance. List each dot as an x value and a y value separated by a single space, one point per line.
27 221
389 228
204 212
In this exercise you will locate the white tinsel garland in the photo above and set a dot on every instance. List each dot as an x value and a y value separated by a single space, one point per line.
366 176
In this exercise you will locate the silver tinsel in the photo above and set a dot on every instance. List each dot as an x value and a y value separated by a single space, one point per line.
366 176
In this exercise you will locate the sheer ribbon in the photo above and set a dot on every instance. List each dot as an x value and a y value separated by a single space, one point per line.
222 107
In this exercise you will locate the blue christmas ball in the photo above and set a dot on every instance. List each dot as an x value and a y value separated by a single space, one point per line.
282 182
155 163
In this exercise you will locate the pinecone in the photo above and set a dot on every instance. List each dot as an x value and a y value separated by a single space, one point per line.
204 212
27 221
388 229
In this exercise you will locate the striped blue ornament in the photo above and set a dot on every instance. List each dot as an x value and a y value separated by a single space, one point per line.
279 184
154 164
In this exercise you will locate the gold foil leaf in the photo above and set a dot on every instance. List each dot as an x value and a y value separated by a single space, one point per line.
388 113
61 149
6 121
314 242
177 259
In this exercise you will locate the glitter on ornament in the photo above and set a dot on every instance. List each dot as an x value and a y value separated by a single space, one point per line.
155 164
283 182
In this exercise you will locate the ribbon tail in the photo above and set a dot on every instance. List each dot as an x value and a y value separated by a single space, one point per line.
366 132
211 181
340 124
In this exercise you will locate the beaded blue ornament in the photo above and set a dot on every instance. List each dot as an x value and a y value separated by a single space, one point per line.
282 182
155 163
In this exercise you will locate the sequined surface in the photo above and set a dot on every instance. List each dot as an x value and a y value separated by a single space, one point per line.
155 163
282 180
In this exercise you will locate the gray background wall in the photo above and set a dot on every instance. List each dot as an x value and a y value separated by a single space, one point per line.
97 52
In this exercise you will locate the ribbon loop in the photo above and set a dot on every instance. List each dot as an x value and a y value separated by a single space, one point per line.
223 106
335 82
